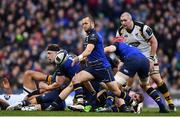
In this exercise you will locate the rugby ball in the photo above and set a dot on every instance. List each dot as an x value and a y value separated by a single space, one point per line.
61 57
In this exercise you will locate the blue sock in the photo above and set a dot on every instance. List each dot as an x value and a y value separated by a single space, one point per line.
110 99
155 96
78 93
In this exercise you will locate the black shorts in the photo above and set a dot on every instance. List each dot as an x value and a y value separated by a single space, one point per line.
101 74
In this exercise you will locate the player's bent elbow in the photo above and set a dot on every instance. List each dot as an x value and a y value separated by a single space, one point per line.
29 72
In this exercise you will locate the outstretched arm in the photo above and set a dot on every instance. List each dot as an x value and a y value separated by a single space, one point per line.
86 52
110 49
84 55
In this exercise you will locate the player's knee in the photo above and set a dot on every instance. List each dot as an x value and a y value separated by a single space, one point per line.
74 80
157 79
116 92
145 86
38 100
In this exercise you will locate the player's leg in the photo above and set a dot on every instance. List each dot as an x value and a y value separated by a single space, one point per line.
120 106
49 97
121 79
127 71
106 76
30 98
77 84
60 99
162 87
153 94
143 73
38 107
3 104
113 86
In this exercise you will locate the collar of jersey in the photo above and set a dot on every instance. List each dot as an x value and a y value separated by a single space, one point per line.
90 31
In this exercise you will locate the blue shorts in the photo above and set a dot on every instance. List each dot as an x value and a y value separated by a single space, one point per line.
136 64
49 97
101 74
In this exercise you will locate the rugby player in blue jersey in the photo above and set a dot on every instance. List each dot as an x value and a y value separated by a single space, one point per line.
134 62
54 83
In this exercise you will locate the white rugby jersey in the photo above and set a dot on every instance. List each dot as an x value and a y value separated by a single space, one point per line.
139 37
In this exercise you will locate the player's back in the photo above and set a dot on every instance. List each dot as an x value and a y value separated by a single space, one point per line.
124 50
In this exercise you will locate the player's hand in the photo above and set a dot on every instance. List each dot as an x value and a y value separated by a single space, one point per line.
75 61
151 62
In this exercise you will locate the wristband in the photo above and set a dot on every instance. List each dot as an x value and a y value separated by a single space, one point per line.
80 57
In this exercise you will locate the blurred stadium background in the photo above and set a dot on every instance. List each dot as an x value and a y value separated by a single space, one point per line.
27 26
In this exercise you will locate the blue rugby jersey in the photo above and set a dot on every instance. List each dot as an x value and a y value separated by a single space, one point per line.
124 50
98 52
66 69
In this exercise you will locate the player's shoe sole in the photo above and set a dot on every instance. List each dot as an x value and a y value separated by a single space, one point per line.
76 108
16 106
29 108
104 109
172 108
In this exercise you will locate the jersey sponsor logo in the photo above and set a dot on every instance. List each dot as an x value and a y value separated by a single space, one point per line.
135 44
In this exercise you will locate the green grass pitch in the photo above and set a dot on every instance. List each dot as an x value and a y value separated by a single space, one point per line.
145 112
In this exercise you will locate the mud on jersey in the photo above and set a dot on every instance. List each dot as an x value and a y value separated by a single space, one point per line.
139 37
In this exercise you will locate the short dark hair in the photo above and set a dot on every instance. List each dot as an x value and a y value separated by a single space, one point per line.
141 96
53 47
90 17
